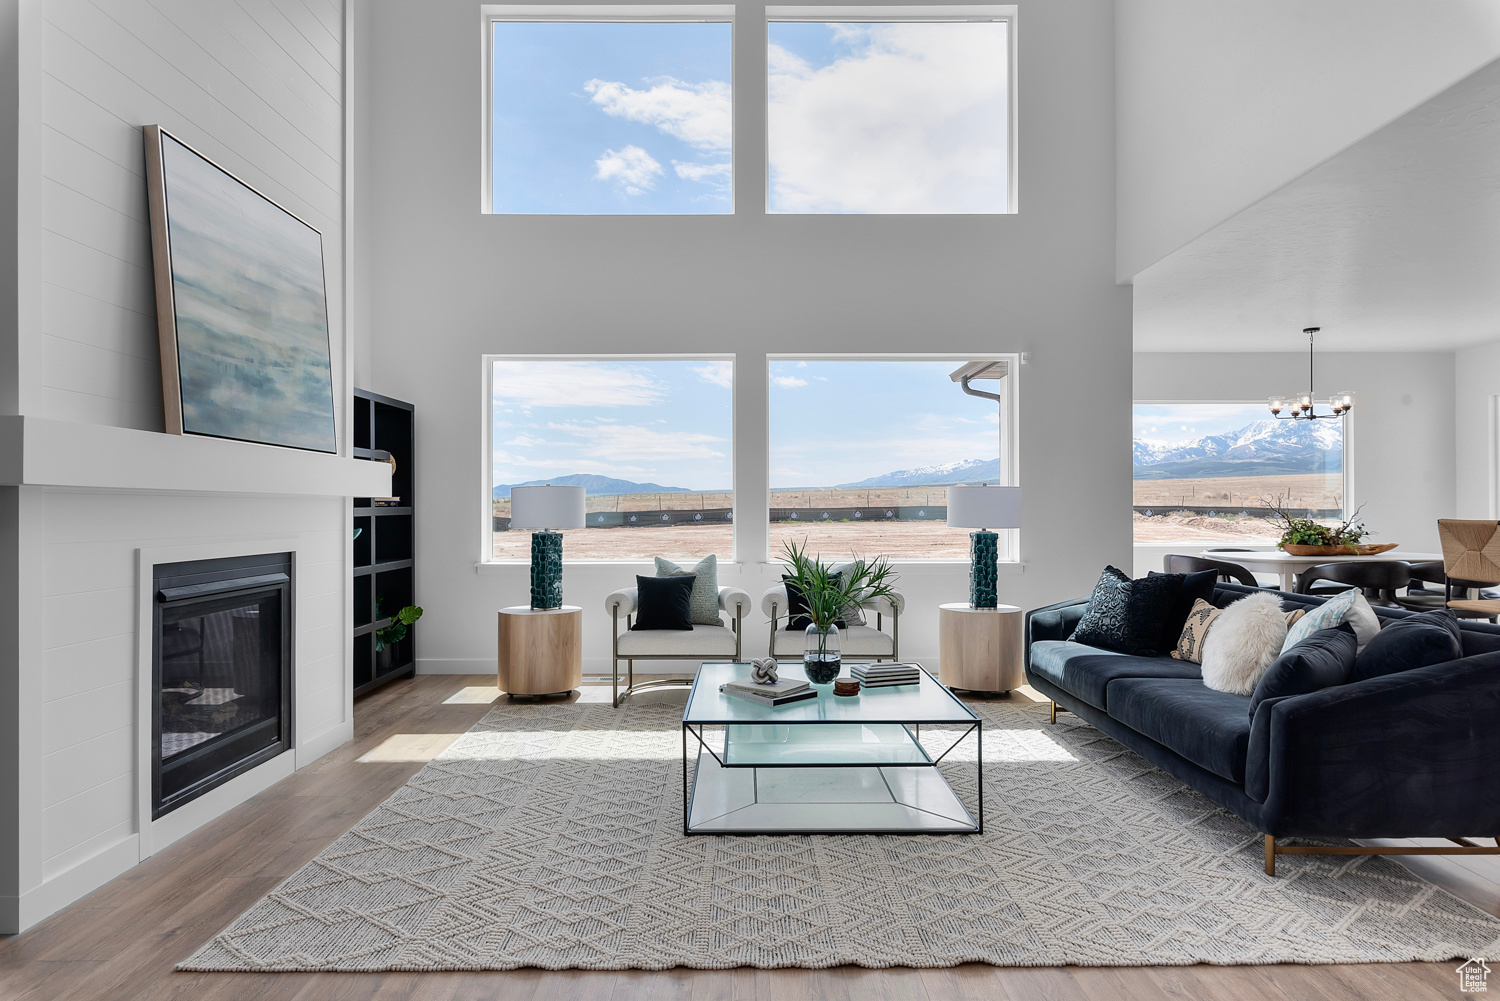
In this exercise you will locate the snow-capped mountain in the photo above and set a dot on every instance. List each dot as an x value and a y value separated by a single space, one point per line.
1258 448
966 471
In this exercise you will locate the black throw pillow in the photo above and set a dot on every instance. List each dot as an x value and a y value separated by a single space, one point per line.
1322 660
664 602
1193 586
1127 615
796 605
1404 644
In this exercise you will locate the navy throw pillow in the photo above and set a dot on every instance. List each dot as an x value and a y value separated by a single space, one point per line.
1193 586
1405 644
1127 615
664 602
796 605
1322 660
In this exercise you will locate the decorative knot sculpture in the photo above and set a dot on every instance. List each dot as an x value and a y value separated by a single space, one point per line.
763 671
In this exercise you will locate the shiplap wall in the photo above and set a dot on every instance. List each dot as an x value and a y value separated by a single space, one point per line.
89 638
255 85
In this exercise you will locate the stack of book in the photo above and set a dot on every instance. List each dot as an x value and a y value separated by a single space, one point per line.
886 675
778 694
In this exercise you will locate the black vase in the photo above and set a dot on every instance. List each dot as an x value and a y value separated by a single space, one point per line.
822 672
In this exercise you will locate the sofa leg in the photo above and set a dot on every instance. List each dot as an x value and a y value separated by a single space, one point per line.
1270 854
1054 711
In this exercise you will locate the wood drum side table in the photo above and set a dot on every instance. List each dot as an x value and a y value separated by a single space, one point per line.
541 650
979 649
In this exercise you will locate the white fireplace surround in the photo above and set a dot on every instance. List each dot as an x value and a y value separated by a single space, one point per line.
158 834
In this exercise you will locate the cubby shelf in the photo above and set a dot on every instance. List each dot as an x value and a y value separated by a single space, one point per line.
384 560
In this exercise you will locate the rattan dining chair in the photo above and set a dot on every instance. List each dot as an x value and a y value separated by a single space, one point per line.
1471 555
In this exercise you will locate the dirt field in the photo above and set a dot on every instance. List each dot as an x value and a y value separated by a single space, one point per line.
1201 528
1302 490
906 540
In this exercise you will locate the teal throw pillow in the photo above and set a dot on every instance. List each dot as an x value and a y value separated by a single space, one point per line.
704 600
1328 615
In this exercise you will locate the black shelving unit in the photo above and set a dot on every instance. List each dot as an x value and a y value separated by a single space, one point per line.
383 551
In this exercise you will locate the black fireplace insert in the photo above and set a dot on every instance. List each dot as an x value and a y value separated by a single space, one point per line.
221 672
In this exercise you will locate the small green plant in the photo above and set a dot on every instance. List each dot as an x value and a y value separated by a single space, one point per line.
1306 532
396 631
828 594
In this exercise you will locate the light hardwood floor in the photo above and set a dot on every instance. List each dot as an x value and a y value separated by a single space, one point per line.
121 942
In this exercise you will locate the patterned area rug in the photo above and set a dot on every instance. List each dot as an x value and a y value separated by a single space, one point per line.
551 836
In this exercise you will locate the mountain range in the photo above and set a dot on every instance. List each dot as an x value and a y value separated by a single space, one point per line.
967 471
593 484
1260 448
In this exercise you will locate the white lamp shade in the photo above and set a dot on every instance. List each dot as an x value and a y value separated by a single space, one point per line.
972 506
548 507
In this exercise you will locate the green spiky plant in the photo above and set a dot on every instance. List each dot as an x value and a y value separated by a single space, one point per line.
829 594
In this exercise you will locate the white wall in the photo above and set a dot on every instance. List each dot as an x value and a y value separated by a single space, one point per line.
1476 437
448 284
1398 451
1222 102
258 87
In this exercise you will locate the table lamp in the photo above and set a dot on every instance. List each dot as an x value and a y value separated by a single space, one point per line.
545 510
984 507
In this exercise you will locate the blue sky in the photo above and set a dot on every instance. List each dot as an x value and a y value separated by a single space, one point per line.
843 421
609 118
1181 422
665 422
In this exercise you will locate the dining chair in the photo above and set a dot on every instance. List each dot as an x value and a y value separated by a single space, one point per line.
1196 564
1471 556
1379 579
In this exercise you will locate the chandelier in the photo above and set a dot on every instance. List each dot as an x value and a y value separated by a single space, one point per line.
1301 404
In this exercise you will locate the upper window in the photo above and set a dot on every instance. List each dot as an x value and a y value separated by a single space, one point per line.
862 454
648 439
1214 472
890 109
596 114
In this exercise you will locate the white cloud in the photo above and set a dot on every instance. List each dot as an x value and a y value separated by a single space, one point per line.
789 381
716 174
632 168
623 444
717 373
914 120
697 113
524 385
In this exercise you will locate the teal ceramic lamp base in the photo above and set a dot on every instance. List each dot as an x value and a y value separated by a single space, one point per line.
546 569
984 556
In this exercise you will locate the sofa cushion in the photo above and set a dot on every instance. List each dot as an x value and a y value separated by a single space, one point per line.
1211 729
1195 587
703 600
695 641
1322 660
1086 671
1419 641
1126 615
855 642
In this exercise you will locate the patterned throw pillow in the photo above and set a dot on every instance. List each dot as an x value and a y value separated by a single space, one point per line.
1126 615
854 615
1325 616
1195 631
703 603
1294 615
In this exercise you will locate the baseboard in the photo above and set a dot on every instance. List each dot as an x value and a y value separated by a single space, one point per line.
68 886
455 665
313 748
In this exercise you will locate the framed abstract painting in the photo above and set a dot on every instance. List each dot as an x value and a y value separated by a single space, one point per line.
241 305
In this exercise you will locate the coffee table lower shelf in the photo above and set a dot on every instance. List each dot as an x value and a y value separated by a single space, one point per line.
809 796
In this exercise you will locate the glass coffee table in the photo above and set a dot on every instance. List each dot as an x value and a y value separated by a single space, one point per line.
830 765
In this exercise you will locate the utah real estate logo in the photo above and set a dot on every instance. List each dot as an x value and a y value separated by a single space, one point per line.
1472 976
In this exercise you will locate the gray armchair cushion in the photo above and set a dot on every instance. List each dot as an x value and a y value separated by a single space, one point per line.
704 600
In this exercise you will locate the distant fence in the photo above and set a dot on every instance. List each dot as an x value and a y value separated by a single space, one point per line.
1229 510
724 515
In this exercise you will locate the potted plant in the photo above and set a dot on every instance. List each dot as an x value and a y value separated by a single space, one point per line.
388 636
827 595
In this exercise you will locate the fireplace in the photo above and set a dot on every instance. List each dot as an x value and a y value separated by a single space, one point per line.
221 672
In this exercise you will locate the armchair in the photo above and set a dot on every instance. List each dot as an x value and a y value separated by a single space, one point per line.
855 641
700 643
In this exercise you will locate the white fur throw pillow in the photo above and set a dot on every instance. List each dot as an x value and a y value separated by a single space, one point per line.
1245 640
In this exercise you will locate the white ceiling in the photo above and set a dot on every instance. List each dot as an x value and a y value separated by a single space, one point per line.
1391 245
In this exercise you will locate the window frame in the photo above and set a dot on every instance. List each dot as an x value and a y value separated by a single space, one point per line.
895 14
487 447
1346 472
1008 431
490 14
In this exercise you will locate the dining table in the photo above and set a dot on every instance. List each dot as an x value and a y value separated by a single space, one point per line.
1288 566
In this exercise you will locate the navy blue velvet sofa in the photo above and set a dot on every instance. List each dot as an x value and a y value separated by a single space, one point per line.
1408 755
